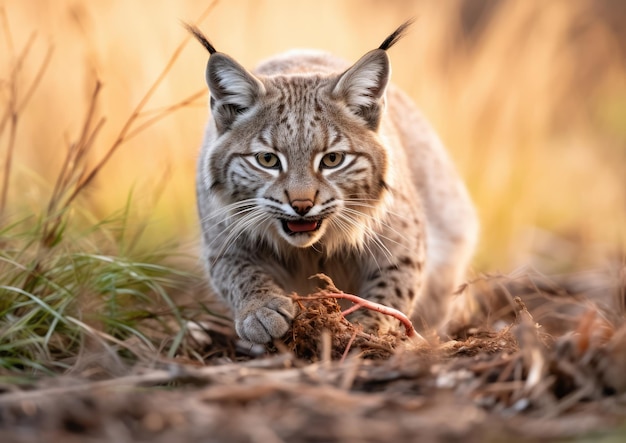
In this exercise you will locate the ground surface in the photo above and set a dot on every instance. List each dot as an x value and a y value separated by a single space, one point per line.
538 359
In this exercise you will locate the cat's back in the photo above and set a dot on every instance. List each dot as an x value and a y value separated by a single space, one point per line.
301 61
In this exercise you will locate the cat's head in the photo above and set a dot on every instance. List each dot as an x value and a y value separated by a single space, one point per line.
296 157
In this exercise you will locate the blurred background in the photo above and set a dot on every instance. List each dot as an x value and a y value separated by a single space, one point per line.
528 95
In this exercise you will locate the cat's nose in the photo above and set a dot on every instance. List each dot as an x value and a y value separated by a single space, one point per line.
301 206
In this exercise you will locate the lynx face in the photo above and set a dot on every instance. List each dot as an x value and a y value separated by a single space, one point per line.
297 167
310 165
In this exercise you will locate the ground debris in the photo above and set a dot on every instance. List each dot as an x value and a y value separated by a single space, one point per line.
320 331
512 376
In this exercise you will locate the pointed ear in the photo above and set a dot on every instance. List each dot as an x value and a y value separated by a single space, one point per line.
362 87
233 90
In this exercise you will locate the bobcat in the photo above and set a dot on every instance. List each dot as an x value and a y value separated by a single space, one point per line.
310 165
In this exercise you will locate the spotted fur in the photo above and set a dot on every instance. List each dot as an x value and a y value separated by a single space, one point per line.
310 165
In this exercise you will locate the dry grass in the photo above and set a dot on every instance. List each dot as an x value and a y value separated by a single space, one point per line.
70 276
510 378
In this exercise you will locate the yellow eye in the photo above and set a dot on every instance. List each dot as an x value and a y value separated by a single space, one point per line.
332 160
268 160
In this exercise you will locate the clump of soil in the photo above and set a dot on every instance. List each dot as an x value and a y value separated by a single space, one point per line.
321 332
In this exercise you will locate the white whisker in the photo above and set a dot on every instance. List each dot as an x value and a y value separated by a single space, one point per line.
241 227
382 223
234 230
240 206
361 203
344 222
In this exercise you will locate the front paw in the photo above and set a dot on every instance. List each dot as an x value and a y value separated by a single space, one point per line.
261 321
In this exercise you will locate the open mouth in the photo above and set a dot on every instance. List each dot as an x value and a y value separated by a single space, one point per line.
292 227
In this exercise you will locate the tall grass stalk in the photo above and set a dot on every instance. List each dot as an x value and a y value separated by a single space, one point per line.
64 281
15 103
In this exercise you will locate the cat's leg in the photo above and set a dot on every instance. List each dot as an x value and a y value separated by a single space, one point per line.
262 311
448 257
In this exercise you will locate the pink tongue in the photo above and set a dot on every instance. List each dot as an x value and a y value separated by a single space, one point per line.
301 226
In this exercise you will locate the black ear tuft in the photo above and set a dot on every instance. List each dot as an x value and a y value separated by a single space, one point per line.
200 37
362 87
396 35
234 90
